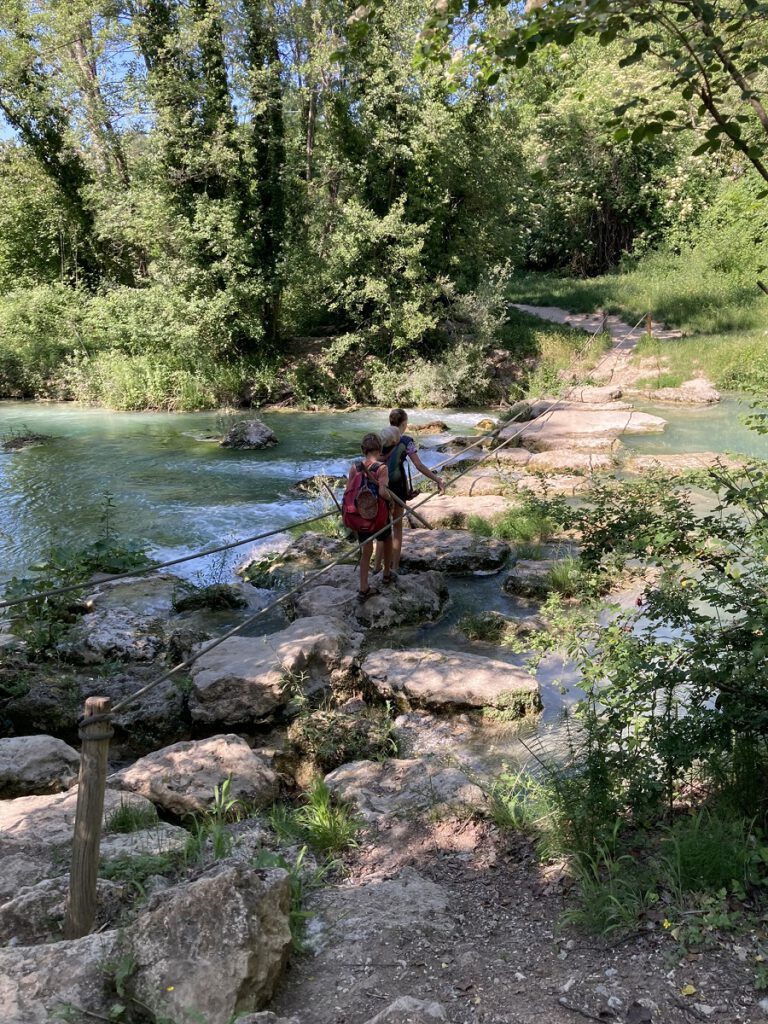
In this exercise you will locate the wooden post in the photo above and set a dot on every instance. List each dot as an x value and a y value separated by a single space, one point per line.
95 732
604 324
649 324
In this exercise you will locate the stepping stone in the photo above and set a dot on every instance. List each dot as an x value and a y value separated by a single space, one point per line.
452 680
567 426
453 551
243 680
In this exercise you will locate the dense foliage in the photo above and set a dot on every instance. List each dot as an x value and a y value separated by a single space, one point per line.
227 201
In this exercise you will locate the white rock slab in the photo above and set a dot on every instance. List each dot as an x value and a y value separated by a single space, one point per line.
451 680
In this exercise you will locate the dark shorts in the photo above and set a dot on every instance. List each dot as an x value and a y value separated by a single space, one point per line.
400 488
365 535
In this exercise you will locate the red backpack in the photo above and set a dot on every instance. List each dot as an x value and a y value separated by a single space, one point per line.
362 508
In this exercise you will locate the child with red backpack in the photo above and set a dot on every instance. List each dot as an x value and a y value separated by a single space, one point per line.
365 508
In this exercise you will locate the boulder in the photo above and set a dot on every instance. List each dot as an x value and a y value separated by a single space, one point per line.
212 947
402 788
569 461
313 548
39 984
36 765
157 718
127 620
249 434
36 835
181 778
418 597
248 679
566 428
433 427
451 680
530 577
453 551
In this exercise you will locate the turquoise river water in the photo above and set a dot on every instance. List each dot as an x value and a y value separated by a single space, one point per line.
178 491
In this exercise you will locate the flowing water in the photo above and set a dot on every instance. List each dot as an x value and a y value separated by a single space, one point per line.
175 489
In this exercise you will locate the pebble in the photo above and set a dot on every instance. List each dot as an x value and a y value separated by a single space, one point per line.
614 1003
611 972
568 985
707 1011
763 1004
519 976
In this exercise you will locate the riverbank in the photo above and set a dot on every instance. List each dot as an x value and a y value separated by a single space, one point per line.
723 319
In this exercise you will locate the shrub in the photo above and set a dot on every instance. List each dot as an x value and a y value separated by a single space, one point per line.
39 328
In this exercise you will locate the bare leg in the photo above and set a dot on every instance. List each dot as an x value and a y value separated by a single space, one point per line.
365 564
397 543
387 551
378 555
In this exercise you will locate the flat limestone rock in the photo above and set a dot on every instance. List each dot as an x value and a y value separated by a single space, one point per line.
181 778
36 835
398 788
698 391
680 463
453 551
147 842
36 765
570 461
481 482
568 426
544 405
508 458
548 486
450 680
454 511
417 597
244 679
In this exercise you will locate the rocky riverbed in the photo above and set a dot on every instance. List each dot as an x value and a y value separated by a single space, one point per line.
437 915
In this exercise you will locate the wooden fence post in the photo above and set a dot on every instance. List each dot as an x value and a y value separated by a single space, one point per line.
649 324
604 323
95 732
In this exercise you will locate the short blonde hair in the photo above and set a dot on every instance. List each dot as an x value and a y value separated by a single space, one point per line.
390 436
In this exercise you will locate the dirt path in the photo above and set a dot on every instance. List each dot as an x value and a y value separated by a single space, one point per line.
616 367
455 913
